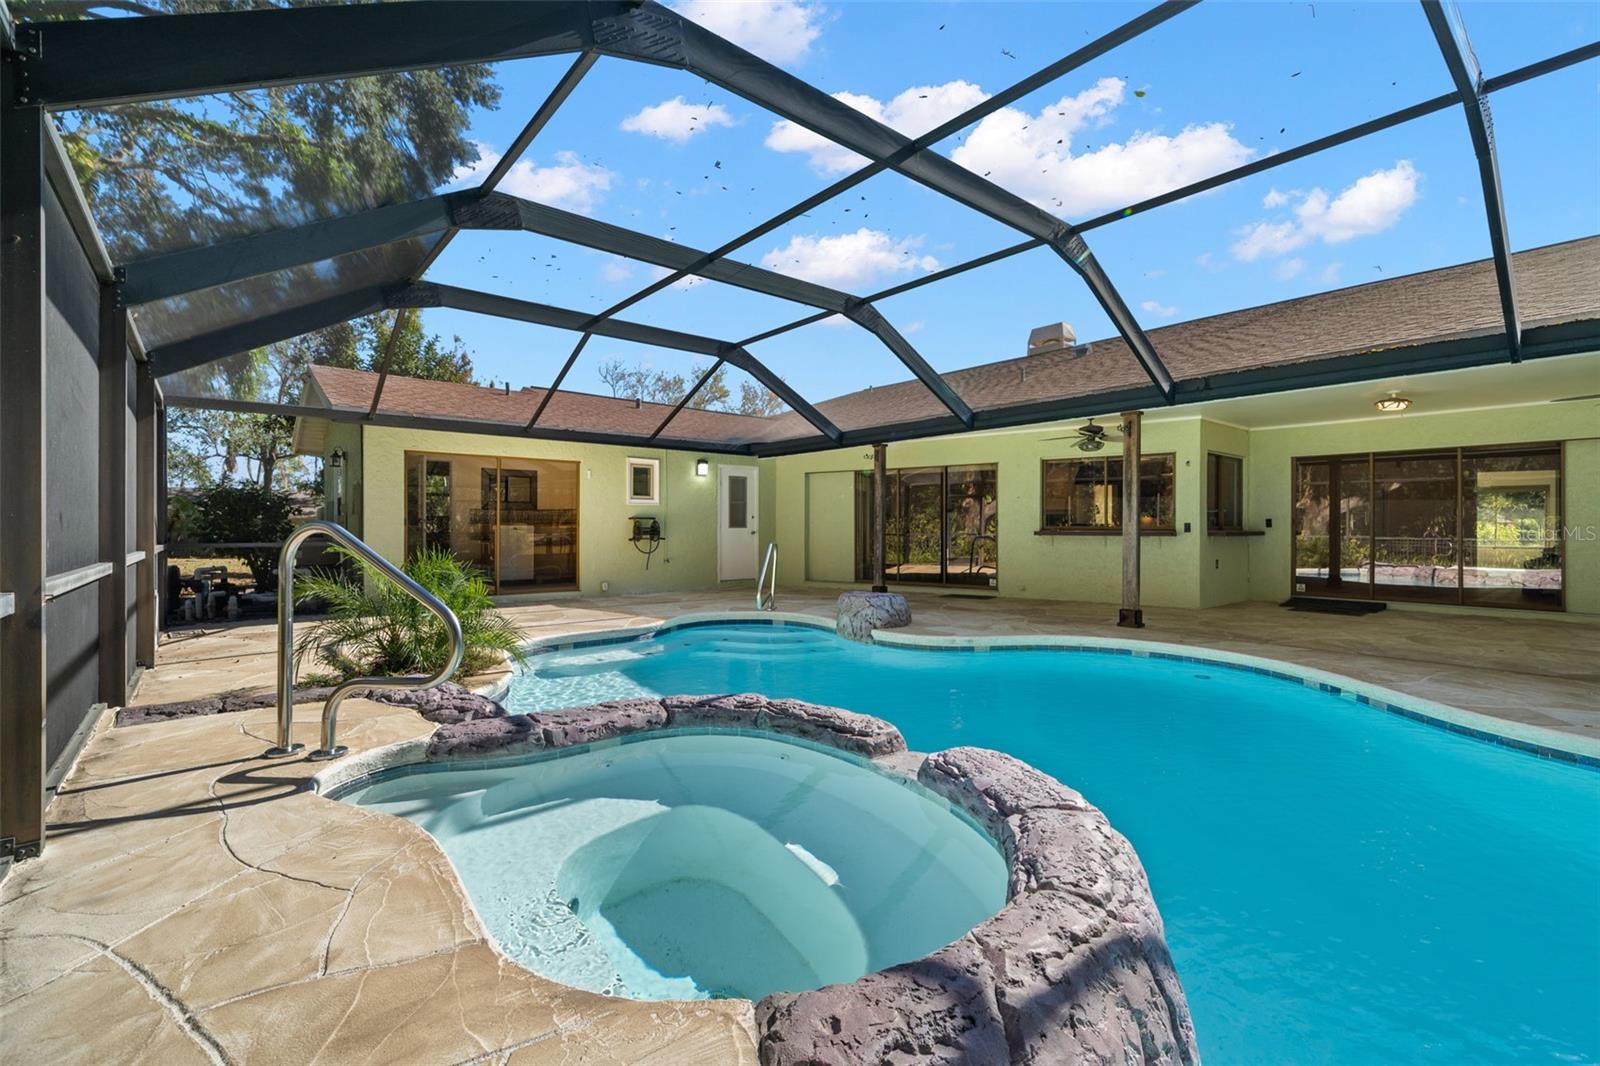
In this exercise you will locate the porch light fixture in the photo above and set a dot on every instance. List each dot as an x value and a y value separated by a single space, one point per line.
702 467
1393 404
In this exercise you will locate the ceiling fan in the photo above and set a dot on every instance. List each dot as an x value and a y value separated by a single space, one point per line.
1090 437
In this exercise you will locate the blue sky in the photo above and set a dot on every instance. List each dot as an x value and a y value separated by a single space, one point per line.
663 152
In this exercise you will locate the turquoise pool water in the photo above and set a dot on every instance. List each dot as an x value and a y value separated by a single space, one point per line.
692 866
1339 884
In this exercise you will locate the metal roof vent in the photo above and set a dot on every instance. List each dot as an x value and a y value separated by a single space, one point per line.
1056 337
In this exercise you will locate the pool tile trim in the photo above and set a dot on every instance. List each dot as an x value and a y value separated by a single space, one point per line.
1529 739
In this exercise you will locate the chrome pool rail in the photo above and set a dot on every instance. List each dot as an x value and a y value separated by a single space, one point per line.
767 583
330 710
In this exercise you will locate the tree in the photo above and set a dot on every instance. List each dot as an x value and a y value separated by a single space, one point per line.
205 447
245 514
658 386
174 173
170 174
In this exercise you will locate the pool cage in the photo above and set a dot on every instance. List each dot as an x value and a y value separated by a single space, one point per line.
96 340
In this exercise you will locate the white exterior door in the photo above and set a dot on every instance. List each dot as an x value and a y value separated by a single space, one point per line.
737 508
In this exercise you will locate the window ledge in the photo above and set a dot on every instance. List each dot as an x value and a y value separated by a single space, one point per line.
1101 533
1236 532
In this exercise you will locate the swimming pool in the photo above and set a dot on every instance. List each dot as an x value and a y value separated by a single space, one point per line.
1339 884
702 865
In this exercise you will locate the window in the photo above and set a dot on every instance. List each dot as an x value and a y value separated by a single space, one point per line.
1224 492
644 481
1086 494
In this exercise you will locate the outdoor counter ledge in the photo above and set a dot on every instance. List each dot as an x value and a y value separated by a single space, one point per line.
1073 968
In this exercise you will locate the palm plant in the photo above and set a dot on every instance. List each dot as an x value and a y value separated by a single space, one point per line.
375 628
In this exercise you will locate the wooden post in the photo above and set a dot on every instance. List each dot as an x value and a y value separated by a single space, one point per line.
1130 614
880 486
114 496
147 507
24 684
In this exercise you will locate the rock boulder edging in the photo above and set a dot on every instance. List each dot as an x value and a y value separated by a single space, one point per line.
1073 969
858 613
518 734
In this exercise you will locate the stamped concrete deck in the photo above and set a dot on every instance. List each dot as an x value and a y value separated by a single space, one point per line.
196 902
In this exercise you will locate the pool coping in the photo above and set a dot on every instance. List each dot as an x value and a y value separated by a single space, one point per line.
1535 740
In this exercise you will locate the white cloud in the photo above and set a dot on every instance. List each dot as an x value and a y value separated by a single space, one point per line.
570 183
850 259
1036 155
1268 238
1033 155
616 269
1274 199
677 120
913 112
1290 268
1158 309
1369 205
779 31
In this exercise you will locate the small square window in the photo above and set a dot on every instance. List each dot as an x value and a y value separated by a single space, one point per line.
644 477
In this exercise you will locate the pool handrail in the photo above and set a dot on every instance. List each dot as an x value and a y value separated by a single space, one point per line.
767 583
330 709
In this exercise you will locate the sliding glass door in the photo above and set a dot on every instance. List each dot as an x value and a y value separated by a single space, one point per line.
513 520
1464 526
1415 537
941 526
1511 546
1333 526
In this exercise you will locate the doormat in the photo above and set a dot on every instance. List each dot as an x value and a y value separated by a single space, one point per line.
1311 603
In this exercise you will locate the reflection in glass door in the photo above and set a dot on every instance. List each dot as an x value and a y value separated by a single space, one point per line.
1467 526
941 526
915 525
1511 545
1333 526
1414 540
538 524
515 521
972 546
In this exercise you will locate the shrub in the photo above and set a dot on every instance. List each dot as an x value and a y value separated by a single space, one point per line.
231 514
374 628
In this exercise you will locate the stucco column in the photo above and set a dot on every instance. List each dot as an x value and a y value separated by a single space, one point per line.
1130 614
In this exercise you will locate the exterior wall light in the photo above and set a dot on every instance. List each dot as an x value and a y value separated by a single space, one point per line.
333 487
1393 404
702 467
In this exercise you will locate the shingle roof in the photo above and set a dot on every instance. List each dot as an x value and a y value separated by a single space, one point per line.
352 390
1556 284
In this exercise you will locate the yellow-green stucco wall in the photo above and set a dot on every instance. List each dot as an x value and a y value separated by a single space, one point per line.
807 502
815 506
687 511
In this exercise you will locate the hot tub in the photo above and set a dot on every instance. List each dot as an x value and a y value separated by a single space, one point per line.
702 865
